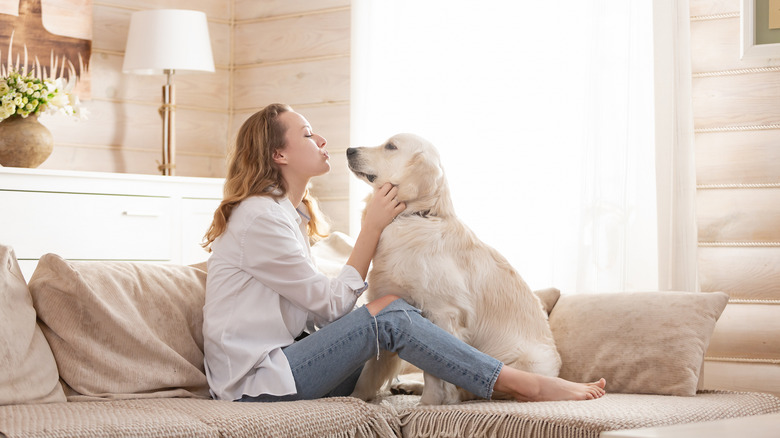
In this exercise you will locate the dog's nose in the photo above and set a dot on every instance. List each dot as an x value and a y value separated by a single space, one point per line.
351 151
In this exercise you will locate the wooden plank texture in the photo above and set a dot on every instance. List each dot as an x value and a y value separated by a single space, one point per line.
730 376
249 9
214 9
747 331
297 83
713 7
119 160
736 100
140 126
738 215
743 273
741 157
293 38
201 90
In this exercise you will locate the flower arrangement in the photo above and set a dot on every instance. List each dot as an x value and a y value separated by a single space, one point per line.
24 93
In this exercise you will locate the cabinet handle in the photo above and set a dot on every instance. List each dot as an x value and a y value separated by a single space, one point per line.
140 213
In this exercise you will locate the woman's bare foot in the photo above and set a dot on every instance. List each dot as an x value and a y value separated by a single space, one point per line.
525 386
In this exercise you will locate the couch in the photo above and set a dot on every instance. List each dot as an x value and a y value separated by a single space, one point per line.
92 349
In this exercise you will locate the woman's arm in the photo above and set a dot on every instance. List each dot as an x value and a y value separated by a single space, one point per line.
380 211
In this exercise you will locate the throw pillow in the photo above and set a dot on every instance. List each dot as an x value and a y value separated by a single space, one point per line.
123 329
29 371
645 342
548 297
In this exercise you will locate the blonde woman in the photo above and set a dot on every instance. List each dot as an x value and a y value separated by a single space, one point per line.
263 288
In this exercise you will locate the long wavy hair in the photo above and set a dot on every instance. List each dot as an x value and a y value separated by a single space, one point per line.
252 171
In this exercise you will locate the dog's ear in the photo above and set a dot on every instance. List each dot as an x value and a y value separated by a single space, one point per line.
420 177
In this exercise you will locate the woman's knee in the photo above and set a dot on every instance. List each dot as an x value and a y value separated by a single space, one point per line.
376 306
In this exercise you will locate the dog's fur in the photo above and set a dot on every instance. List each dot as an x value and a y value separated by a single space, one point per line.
431 259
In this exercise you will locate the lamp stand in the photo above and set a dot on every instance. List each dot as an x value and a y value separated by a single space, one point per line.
169 132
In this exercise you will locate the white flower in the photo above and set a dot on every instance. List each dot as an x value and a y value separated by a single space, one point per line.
25 95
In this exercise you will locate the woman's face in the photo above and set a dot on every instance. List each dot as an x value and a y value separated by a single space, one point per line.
304 153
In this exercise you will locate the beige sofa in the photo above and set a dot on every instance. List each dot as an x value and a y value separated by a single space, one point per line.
115 349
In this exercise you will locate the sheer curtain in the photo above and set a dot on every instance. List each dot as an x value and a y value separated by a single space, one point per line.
543 113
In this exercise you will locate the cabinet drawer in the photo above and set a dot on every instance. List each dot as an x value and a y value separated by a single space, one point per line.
86 226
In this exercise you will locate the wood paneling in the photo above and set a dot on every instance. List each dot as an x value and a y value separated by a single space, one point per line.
742 272
249 9
204 91
715 47
738 215
735 114
733 376
747 331
737 100
296 37
138 126
219 10
713 7
741 157
296 83
123 160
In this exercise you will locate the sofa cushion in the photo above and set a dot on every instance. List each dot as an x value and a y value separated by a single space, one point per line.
29 372
123 329
581 419
644 342
548 298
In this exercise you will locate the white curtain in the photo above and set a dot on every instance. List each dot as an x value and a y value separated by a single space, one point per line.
543 113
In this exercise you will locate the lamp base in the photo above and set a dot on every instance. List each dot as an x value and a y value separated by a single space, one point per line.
167 112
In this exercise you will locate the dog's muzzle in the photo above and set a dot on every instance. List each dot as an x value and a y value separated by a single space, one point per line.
353 161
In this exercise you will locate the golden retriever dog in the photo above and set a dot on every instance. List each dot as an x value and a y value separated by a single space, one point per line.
435 262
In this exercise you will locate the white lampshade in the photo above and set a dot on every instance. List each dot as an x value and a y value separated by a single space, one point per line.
168 39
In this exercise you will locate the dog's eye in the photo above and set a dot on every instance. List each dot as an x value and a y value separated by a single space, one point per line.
390 147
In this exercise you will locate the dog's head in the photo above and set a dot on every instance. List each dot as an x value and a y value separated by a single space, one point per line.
407 161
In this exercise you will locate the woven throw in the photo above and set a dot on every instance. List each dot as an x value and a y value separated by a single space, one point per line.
580 419
179 417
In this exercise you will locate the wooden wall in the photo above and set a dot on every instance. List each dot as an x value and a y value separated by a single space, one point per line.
737 125
291 51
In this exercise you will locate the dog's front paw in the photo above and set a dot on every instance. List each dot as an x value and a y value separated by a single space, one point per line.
439 392
407 387
363 395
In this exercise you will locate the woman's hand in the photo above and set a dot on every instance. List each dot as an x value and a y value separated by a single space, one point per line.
382 208
380 211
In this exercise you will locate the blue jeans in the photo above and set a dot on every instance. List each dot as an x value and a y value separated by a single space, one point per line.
327 363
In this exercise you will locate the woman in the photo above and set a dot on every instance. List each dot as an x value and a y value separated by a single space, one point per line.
263 289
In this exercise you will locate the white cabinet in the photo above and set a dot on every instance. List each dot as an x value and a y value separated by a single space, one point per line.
105 216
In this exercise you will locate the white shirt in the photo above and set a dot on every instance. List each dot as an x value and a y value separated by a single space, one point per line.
262 288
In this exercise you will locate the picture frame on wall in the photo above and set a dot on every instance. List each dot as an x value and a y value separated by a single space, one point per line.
760 29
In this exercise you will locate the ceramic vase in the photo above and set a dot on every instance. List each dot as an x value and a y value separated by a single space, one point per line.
24 142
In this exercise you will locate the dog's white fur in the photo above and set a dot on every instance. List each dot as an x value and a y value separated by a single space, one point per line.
431 259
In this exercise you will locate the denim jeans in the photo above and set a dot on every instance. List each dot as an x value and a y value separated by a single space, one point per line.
327 363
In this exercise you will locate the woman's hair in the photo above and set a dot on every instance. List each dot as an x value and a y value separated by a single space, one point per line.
252 171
